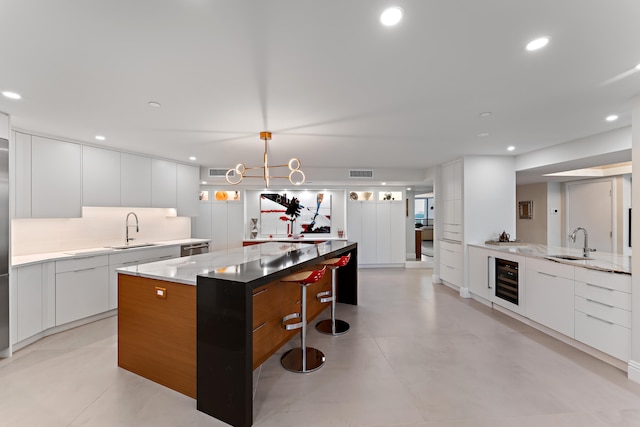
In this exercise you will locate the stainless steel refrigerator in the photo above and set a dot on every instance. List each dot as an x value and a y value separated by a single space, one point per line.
4 244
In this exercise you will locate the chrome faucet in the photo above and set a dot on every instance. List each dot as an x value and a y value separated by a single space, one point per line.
126 227
586 248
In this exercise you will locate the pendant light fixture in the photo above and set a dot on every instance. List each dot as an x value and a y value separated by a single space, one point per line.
236 175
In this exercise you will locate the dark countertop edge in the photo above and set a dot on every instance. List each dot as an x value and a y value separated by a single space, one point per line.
258 281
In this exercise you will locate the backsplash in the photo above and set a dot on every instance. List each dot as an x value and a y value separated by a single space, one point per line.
98 227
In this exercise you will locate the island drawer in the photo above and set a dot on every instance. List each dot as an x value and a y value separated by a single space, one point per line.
617 281
604 295
605 336
604 312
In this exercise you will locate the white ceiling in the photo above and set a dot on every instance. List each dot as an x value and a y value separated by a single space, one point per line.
335 87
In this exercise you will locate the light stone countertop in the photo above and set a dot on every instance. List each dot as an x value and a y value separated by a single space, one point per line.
22 260
603 261
232 262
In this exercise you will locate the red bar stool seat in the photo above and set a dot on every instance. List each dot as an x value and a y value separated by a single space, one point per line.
333 326
302 359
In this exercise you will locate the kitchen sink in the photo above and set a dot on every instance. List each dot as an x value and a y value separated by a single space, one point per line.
135 245
569 257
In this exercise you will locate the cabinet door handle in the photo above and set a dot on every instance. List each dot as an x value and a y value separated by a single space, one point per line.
489 272
600 287
597 318
601 303
546 274
260 326
163 257
260 292
84 269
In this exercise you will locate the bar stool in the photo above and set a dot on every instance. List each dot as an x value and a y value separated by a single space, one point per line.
303 358
333 326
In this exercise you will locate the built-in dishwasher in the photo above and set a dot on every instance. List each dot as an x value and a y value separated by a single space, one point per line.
194 249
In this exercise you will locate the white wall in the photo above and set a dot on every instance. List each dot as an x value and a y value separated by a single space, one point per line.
554 214
4 126
97 228
634 363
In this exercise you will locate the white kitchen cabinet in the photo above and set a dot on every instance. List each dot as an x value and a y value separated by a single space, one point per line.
451 262
478 277
603 311
188 189
100 177
82 288
34 300
56 179
550 295
135 181
163 184
452 175
22 154
133 257
379 228
220 221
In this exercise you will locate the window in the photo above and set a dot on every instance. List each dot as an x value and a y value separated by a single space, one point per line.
424 211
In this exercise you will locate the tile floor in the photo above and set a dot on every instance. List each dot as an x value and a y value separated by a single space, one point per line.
417 355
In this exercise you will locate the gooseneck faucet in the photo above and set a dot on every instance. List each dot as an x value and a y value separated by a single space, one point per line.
126 227
586 248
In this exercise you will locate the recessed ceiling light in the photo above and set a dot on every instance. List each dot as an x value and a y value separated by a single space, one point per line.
538 43
485 114
383 183
408 188
612 118
192 158
11 95
638 67
154 104
391 16
483 134
511 148
204 182
100 138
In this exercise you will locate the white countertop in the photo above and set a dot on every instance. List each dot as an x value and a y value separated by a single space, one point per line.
186 269
603 261
21 260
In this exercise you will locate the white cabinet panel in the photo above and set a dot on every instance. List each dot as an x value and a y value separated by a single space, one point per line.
163 184
201 225
4 126
383 229
478 278
55 179
29 308
604 335
100 177
367 253
398 233
82 288
235 225
188 190
135 181
23 175
550 297
219 218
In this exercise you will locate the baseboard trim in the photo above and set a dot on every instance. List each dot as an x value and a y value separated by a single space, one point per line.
464 293
633 371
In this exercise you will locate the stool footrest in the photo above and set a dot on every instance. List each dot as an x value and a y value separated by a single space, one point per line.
291 326
321 296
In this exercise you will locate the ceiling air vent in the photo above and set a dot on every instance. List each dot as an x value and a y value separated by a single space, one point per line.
220 173
360 174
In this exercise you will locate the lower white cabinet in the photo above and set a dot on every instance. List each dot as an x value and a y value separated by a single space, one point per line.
222 222
550 295
451 262
478 277
138 256
34 307
82 288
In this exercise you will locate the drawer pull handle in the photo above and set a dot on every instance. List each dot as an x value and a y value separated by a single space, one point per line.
546 274
260 292
602 320
165 257
601 287
260 326
601 303
84 269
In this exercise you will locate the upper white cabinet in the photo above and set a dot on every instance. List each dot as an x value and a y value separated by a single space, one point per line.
22 183
135 181
188 189
220 219
163 184
56 179
452 201
100 177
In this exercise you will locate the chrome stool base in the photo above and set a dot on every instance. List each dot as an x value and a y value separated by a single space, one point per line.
292 360
325 327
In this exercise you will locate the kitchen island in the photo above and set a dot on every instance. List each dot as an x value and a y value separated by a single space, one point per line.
201 324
